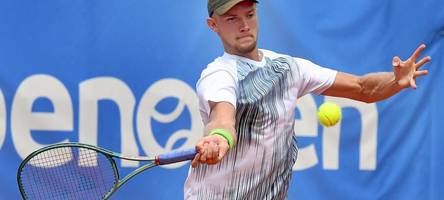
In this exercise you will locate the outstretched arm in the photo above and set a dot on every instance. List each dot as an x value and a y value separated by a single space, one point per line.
374 87
212 148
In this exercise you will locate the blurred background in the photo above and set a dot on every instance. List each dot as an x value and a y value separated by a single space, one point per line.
122 74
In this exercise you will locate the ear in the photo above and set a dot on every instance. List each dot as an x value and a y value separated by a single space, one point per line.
211 22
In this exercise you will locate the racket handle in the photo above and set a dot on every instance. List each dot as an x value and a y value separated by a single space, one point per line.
174 157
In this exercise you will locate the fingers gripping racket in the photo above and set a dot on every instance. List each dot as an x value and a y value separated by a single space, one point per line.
80 171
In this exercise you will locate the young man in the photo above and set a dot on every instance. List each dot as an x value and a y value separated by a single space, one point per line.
248 100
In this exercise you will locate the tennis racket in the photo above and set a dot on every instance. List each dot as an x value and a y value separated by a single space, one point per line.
81 171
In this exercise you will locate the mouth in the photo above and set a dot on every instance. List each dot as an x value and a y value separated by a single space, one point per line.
245 37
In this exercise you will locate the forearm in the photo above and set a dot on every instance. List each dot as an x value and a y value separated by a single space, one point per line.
378 86
222 117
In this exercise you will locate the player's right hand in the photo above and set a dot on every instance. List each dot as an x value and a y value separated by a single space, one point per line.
210 150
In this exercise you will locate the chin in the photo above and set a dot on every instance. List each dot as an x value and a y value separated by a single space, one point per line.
246 48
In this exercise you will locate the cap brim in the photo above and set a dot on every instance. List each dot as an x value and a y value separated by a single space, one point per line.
230 4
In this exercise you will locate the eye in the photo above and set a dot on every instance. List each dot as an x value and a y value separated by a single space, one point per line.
230 19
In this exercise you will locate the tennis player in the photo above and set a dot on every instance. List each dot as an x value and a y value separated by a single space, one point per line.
247 102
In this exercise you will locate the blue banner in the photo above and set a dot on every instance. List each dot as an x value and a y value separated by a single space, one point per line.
122 74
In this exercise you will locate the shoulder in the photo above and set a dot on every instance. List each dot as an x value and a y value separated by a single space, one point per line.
221 71
220 64
303 61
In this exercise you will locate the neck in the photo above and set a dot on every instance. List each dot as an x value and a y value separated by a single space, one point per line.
252 55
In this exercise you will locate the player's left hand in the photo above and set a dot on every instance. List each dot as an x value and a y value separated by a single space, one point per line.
407 71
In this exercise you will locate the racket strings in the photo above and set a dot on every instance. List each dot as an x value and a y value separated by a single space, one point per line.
68 173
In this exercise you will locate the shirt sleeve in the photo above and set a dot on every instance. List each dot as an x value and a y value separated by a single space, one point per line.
216 85
313 78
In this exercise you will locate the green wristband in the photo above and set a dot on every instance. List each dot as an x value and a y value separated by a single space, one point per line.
224 133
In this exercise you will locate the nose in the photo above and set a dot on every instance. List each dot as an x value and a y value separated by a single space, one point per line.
244 26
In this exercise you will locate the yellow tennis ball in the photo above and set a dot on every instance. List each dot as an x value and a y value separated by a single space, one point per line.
329 114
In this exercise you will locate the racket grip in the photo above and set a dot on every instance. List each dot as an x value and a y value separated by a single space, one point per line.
174 157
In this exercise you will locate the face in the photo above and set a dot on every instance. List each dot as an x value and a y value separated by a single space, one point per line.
237 28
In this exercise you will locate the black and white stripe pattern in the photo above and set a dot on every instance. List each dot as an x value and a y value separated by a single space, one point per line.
260 166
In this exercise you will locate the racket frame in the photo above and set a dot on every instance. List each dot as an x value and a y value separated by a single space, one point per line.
110 155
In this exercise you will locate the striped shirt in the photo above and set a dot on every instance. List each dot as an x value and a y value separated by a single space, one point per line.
264 94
